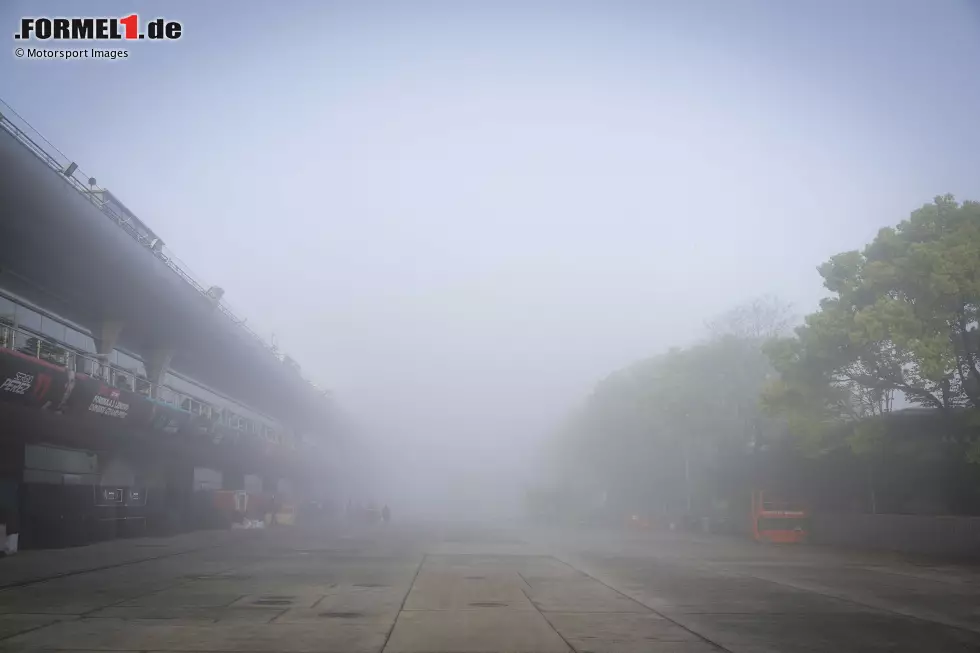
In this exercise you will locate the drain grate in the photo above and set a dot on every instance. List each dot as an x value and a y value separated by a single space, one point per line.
488 604
370 585
273 602
475 577
341 615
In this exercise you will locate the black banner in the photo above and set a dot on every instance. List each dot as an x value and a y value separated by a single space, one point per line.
92 397
29 381
32 382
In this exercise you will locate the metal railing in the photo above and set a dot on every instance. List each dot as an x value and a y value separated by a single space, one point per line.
68 170
29 343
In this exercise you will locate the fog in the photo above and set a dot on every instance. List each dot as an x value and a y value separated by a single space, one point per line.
461 216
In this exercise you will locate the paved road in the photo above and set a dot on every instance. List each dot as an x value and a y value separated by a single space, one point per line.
434 589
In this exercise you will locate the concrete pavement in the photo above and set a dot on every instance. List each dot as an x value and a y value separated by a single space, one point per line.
470 589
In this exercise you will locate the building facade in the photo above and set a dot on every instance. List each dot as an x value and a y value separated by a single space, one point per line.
129 393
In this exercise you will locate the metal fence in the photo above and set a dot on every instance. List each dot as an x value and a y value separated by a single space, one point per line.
915 534
35 345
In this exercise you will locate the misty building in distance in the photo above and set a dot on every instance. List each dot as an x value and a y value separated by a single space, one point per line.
128 391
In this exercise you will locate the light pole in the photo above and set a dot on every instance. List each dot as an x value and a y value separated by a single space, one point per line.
687 478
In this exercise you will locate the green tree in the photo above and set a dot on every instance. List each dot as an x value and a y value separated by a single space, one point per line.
661 428
903 317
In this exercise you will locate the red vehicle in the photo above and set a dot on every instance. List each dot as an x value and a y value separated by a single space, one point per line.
777 520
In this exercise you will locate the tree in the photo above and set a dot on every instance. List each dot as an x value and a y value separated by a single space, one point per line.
809 395
763 318
903 317
663 426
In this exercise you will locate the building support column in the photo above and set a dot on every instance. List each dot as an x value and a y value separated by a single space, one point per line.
180 497
106 336
157 363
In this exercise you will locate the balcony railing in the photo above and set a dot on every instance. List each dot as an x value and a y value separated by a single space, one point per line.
32 344
20 129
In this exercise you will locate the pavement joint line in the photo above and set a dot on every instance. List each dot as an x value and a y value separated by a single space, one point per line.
524 580
907 574
543 615
30 630
235 600
401 608
644 605
837 597
182 581
469 609
78 572
85 615
315 603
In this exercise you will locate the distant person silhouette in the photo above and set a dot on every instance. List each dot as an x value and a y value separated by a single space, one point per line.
385 514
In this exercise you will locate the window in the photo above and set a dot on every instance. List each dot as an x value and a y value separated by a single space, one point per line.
199 400
196 407
180 385
52 353
79 340
7 311
130 363
125 361
28 319
86 365
143 387
25 343
6 321
122 380
166 395
53 329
